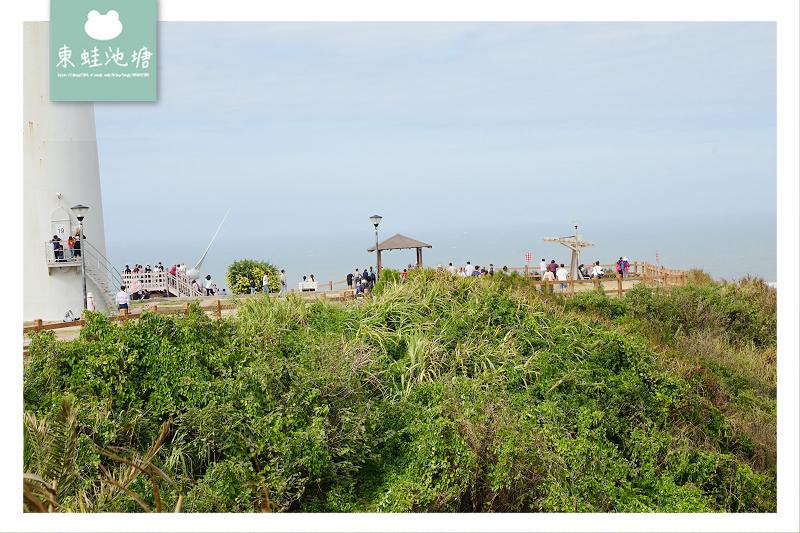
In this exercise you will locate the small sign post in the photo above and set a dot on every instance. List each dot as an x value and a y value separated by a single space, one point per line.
658 265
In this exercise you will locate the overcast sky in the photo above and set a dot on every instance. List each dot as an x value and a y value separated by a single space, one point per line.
312 127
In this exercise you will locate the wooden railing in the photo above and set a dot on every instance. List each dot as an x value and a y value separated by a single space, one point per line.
643 271
612 282
179 285
124 314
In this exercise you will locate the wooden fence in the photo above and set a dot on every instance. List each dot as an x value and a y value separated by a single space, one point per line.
125 314
639 271
612 283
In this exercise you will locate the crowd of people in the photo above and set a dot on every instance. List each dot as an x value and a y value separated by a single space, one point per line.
552 271
284 290
140 276
362 280
69 250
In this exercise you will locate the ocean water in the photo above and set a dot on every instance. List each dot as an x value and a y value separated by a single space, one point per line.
725 247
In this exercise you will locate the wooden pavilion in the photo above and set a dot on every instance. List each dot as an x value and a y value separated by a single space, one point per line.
400 242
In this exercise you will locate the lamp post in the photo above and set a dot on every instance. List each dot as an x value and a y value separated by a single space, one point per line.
376 219
80 212
576 254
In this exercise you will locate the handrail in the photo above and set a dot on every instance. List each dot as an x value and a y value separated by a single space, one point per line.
110 269
180 284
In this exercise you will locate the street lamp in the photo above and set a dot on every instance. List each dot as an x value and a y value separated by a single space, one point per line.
576 254
376 219
80 212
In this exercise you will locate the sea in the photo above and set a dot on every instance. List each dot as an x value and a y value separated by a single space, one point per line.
727 248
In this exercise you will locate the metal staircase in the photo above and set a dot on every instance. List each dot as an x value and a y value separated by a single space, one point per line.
102 273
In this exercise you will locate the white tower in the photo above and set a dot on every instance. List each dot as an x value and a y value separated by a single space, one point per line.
60 170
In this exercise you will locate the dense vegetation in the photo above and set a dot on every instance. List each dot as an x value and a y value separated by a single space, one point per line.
441 394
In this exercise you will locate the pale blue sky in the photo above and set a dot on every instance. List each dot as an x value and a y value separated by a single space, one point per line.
256 111
306 129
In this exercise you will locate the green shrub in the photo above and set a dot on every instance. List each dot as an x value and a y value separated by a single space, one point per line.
240 273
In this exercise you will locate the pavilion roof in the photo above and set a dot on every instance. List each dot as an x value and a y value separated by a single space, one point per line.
399 242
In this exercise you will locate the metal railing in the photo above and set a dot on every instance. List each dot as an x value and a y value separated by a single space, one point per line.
65 257
98 268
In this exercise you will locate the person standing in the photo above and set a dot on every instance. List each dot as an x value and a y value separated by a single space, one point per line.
135 288
56 245
122 298
561 275
265 283
208 286
76 248
542 266
252 286
451 269
90 305
284 288
349 280
597 270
